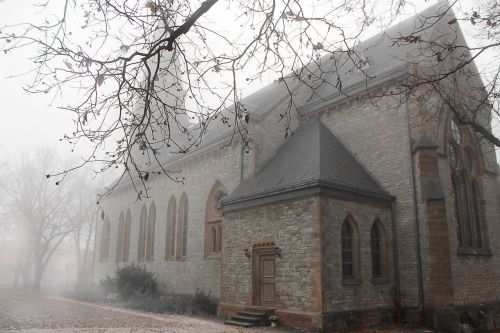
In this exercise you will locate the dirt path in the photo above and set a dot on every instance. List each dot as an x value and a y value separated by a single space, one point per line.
34 313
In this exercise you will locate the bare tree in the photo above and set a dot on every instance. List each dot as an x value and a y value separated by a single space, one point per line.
152 76
40 211
82 215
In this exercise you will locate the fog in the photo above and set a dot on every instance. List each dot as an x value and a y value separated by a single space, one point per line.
41 236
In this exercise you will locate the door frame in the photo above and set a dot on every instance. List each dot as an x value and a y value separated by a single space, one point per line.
257 253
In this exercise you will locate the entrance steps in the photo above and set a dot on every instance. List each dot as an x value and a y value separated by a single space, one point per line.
251 316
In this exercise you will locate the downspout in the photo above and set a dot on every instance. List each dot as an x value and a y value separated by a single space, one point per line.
417 227
241 162
397 292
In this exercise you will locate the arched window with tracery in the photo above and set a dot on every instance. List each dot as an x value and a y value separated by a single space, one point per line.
213 220
350 250
105 239
378 240
171 229
141 248
182 227
150 233
465 170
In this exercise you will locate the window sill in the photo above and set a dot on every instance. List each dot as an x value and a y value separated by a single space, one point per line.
470 251
213 256
351 282
380 280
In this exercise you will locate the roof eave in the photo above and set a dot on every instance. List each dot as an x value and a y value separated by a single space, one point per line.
394 73
332 189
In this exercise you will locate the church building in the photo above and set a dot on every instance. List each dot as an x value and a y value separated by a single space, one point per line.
367 211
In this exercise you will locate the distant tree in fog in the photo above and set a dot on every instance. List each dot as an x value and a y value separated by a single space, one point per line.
39 209
83 214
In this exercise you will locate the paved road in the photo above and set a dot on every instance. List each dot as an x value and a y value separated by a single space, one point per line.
33 313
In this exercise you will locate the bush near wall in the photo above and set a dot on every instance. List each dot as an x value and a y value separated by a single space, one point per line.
138 288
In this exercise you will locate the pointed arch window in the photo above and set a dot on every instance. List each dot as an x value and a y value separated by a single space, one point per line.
182 227
350 250
119 238
123 237
465 170
105 239
213 220
378 240
141 248
150 233
171 229
126 237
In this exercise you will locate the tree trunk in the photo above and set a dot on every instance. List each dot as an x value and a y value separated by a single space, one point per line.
38 276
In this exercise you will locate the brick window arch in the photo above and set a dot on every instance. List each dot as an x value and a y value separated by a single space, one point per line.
465 170
141 248
378 242
105 239
171 229
182 228
213 220
150 232
350 250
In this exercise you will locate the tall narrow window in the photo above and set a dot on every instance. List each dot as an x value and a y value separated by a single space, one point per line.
213 220
378 240
126 236
171 229
141 250
218 242
350 250
465 171
119 238
105 237
183 226
150 234
375 245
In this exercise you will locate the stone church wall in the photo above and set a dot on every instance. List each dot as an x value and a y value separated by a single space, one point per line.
366 293
377 136
290 225
201 171
474 278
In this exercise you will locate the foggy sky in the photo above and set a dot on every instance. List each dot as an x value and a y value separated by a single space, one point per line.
29 121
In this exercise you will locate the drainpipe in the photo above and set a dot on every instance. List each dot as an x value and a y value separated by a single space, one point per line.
397 292
241 161
417 227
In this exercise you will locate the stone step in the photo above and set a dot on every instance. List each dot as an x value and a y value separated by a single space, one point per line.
238 323
265 310
250 319
253 314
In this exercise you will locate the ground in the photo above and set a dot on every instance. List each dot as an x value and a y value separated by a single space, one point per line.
32 313
38 313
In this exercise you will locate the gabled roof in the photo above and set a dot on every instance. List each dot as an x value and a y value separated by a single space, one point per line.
380 58
312 157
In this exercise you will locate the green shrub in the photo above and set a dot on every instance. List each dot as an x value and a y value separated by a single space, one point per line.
204 303
134 281
108 285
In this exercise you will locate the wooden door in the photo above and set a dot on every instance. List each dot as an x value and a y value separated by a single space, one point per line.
264 279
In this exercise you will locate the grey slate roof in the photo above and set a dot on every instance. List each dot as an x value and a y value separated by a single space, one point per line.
384 61
313 156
